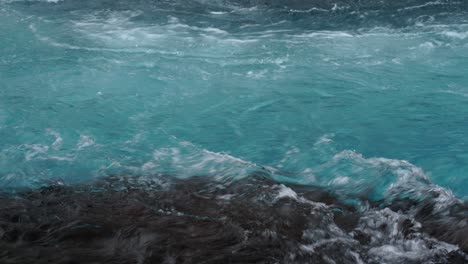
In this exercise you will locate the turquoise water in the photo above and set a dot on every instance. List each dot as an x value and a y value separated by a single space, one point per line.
356 98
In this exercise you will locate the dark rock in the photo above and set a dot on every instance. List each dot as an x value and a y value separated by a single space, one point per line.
198 220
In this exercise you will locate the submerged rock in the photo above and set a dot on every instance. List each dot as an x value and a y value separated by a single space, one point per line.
199 220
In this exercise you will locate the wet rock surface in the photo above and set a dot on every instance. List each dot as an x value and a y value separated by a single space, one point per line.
198 220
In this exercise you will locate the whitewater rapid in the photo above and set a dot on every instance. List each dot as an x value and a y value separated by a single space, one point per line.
363 100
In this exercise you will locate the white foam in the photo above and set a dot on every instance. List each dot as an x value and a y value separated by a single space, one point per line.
389 243
325 34
285 191
308 10
240 41
186 160
84 142
354 174
402 168
54 43
325 139
434 3
34 150
340 180
427 46
456 35
226 197
58 139
218 12
460 93
148 166
59 158
214 30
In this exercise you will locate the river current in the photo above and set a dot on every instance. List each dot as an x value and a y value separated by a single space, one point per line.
367 100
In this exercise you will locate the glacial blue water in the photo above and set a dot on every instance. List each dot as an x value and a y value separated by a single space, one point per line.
355 97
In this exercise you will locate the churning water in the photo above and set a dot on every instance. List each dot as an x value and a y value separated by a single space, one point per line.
367 100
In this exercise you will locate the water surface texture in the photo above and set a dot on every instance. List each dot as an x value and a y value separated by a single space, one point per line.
211 131
354 96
